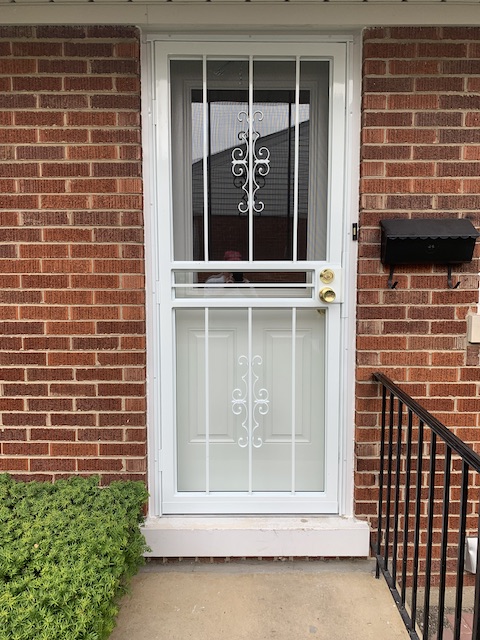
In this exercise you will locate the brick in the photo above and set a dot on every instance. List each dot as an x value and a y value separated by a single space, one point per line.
415 101
69 297
95 219
438 119
17 101
74 449
119 136
20 358
99 373
95 344
50 404
46 343
37 49
121 327
13 464
129 389
388 119
88 49
92 152
105 435
44 374
121 67
25 448
22 328
62 66
52 464
64 201
120 169
63 101
98 404
45 281
7 435
37 83
72 389
66 266
128 449
100 464
53 434
121 419
97 281
16 66
68 169
24 419
92 119
436 152
71 358
58 135
60 31
15 390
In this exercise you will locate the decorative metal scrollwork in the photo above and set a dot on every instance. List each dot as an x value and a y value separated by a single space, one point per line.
241 402
250 171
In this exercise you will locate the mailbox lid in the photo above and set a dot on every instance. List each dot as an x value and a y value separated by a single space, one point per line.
427 241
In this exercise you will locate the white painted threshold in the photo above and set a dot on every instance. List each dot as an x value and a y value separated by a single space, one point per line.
302 536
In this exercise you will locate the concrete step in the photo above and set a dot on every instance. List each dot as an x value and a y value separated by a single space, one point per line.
248 600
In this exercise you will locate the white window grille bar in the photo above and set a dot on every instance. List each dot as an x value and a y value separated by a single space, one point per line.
293 368
250 399
207 401
296 161
250 158
205 158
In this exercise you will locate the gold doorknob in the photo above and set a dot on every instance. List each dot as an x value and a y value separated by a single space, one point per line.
327 276
327 295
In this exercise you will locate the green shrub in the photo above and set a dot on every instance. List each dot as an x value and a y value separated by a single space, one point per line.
67 551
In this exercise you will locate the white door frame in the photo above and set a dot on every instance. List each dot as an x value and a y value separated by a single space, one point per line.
347 326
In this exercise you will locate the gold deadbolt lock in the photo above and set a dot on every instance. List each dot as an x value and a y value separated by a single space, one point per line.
327 295
327 276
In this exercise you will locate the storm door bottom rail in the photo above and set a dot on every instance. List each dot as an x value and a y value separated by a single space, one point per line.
428 506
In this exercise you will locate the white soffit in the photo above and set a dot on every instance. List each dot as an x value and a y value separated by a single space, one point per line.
254 15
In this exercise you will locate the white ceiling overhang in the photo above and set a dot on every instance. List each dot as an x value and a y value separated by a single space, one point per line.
261 15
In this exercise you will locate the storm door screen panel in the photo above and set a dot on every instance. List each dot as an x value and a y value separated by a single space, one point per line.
254 354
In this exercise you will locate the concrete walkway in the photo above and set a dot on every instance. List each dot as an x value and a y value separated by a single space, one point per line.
319 600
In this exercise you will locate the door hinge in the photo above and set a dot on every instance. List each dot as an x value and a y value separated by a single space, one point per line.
355 231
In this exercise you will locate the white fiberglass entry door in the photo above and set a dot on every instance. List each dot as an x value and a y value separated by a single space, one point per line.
250 182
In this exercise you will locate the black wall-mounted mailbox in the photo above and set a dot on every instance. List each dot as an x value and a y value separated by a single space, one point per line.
427 241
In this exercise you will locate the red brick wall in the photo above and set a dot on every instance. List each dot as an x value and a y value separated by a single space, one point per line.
72 339
420 158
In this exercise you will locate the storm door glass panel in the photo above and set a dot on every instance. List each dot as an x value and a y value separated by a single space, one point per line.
250 159
250 405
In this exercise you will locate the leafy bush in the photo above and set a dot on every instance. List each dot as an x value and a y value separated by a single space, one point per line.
67 551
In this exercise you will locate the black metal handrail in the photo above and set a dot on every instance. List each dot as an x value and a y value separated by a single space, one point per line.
410 467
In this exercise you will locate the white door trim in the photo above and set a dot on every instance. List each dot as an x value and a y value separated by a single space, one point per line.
347 327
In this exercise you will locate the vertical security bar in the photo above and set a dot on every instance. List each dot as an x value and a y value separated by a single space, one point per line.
250 158
431 501
396 504
476 609
294 377
380 479
296 162
461 551
250 400
389 485
444 540
406 512
207 402
416 535
206 211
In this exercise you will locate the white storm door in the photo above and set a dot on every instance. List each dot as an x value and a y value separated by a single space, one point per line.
250 163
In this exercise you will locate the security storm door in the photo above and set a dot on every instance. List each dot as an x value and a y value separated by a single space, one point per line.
250 162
